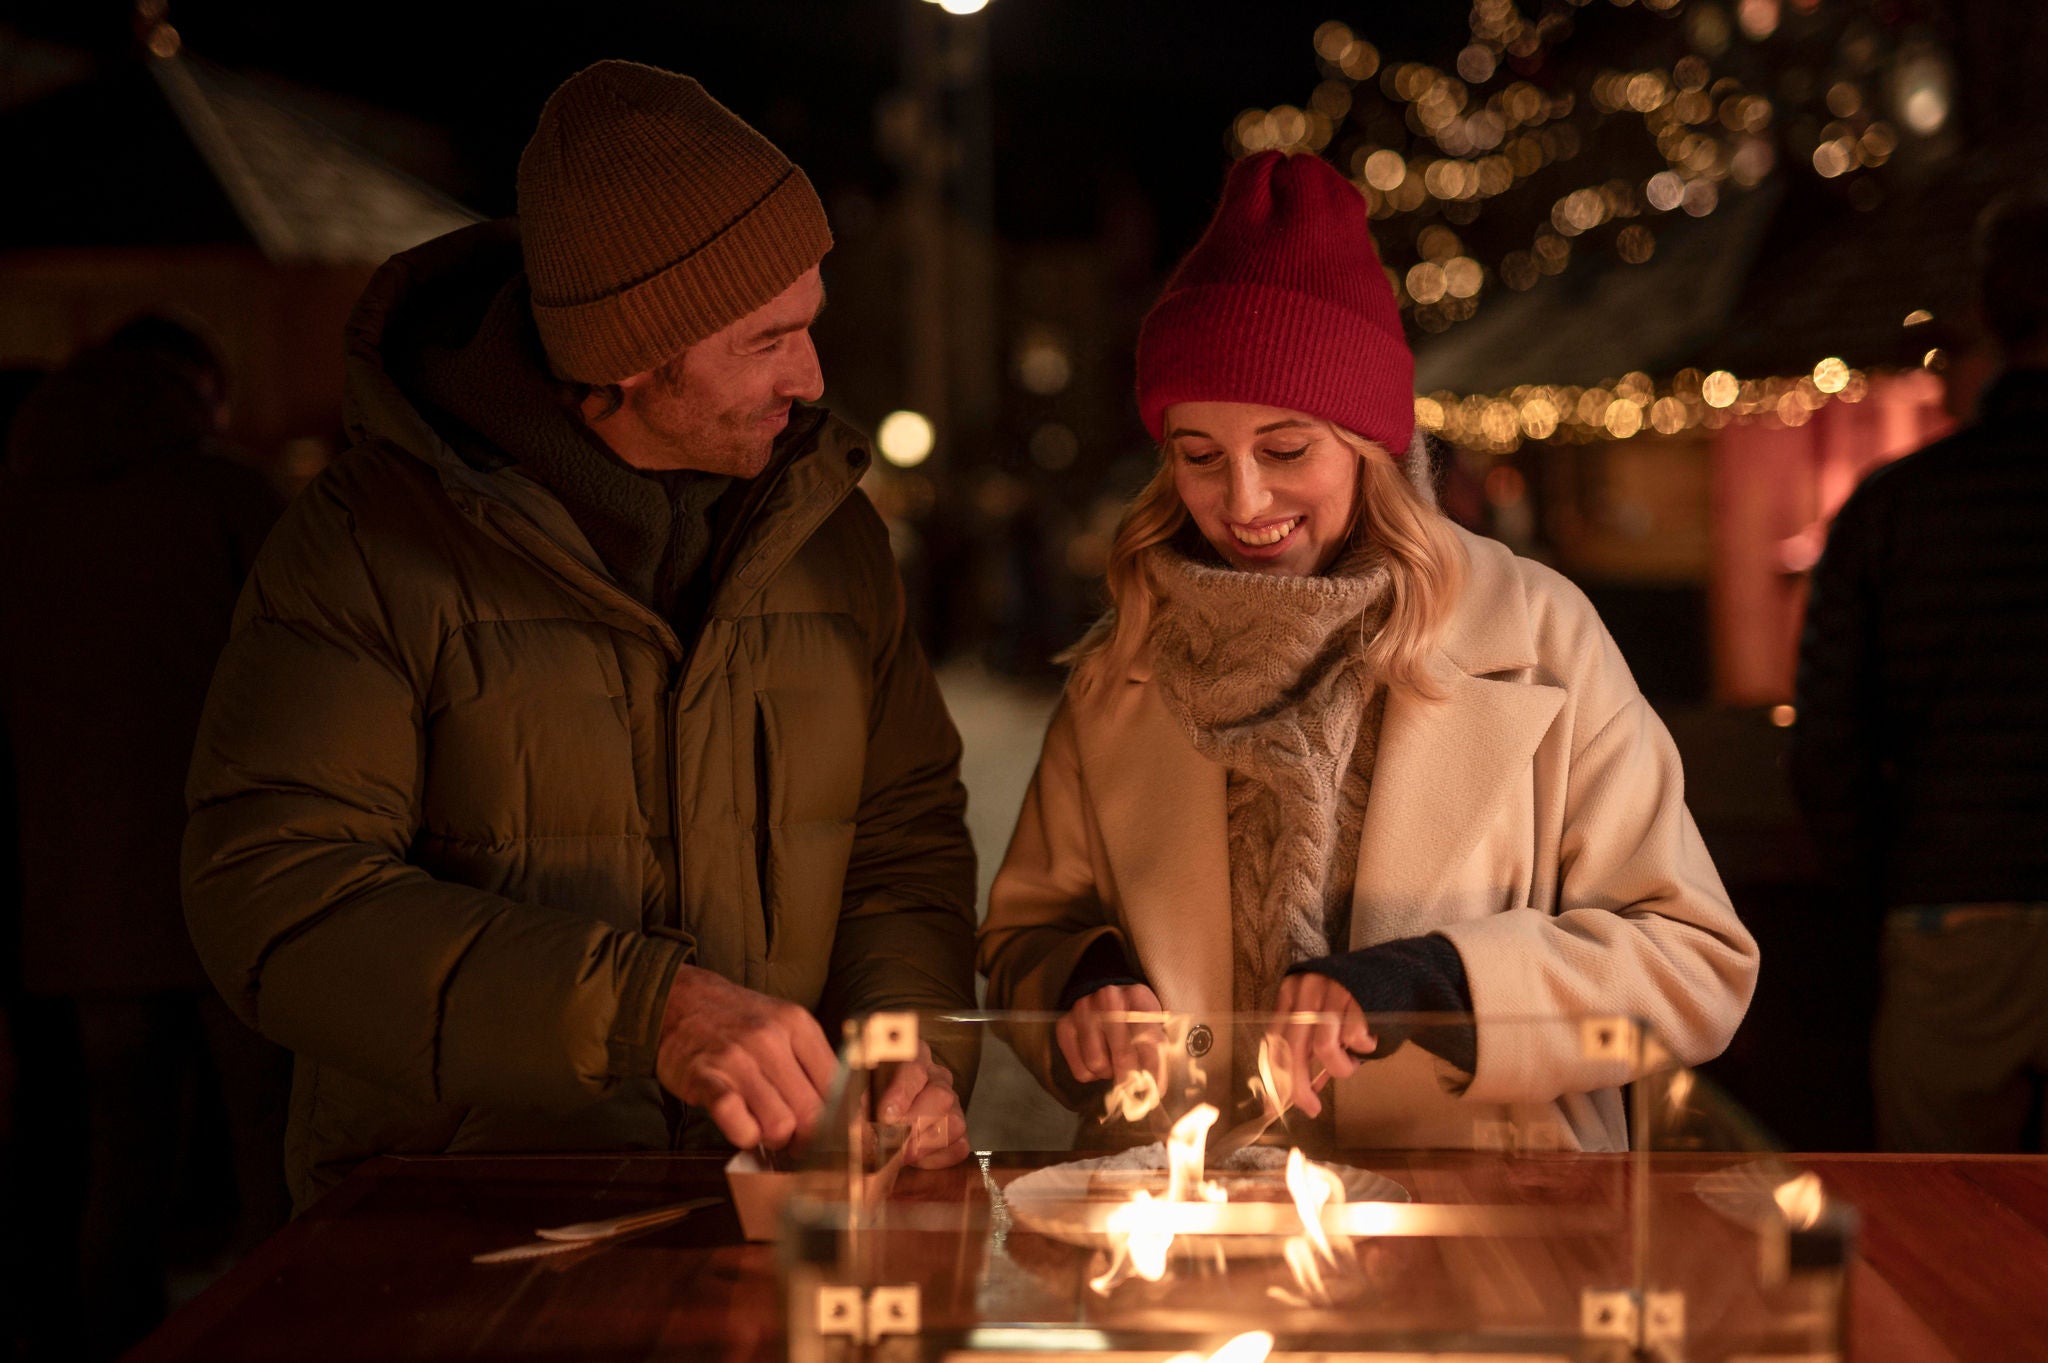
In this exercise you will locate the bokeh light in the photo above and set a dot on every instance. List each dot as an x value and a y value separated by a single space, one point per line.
1384 169
1922 88
1759 18
1426 282
1043 365
1831 376
906 438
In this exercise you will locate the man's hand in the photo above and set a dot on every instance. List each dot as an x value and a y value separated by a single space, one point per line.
1328 1046
758 1065
920 1094
1099 1045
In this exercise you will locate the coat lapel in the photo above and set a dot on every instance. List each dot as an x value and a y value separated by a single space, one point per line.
1161 808
1444 767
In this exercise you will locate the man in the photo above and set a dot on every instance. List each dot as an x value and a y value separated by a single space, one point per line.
571 756
1921 752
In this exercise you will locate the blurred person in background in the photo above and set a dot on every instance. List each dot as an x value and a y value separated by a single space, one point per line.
1330 753
572 774
1920 755
124 540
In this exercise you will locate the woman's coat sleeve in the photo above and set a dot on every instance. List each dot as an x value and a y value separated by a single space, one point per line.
1641 927
1045 908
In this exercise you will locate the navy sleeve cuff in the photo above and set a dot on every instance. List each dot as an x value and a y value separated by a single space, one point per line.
1412 975
1101 965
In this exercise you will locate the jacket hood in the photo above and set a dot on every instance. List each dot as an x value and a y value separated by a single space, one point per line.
426 312
444 363
108 413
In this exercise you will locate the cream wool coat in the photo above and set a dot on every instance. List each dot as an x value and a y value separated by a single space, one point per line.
1535 817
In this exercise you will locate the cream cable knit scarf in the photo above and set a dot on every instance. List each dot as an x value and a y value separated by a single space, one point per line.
1267 676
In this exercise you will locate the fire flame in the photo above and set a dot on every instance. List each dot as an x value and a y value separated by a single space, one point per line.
1250 1347
1140 1241
1185 1147
1680 1090
1801 1200
1273 1085
1308 1254
1141 1244
1135 1096
1140 1231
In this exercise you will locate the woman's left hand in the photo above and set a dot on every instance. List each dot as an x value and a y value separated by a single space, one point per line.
1330 1044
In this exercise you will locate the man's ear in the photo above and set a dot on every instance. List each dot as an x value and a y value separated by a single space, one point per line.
597 406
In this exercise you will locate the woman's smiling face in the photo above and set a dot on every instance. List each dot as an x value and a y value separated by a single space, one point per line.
1273 491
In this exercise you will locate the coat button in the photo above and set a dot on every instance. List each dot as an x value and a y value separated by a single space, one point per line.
1200 1040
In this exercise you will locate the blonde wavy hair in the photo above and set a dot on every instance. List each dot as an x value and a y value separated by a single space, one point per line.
1424 557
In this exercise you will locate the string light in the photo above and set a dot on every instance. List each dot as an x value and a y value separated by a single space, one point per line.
1468 146
1633 405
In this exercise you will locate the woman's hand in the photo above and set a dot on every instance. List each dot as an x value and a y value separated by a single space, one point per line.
1098 1044
1330 1044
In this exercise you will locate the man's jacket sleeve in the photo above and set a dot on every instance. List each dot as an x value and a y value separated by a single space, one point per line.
304 797
906 925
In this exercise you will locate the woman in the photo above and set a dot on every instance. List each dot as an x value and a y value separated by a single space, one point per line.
1330 753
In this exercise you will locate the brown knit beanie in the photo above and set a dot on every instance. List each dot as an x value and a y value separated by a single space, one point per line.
651 216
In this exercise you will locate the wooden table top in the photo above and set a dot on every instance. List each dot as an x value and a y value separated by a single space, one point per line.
1952 1268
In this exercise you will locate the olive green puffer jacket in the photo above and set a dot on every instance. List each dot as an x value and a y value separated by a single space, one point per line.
461 805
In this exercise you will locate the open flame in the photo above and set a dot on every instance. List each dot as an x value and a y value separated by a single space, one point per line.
1141 1231
1680 1090
1801 1200
1142 1244
1273 1085
1140 1237
1184 1151
1135 1095
1250 1347
1313 1188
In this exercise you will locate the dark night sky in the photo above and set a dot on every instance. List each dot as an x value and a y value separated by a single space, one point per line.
1090 96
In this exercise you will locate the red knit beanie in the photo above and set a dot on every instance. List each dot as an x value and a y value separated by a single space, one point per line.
1283 302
